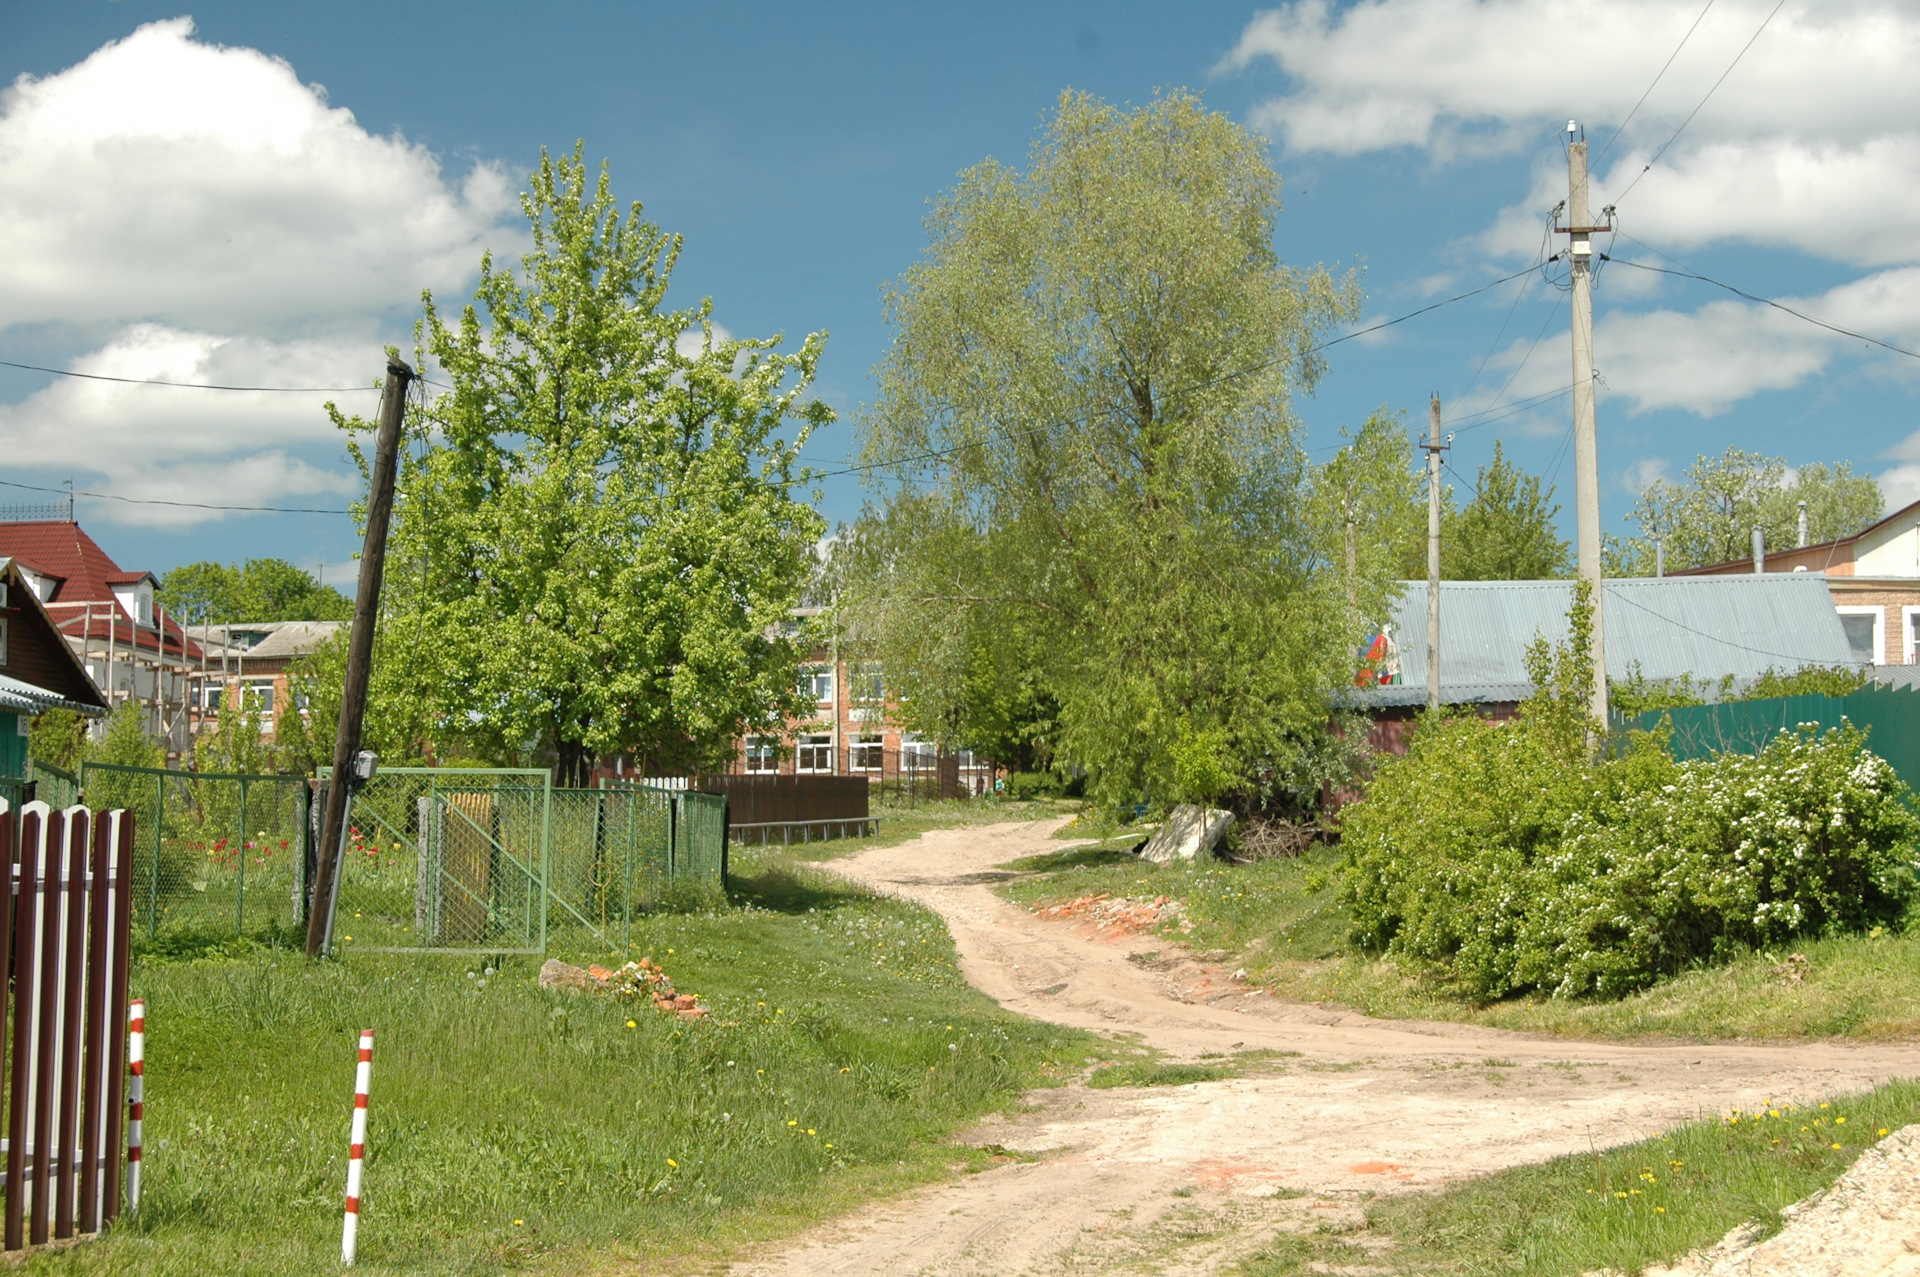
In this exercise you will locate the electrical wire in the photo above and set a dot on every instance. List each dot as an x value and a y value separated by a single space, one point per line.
1780 306
1703 101
189 385
938 454
1656 80
187 505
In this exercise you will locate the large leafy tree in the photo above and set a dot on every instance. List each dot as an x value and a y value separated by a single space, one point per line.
596 540
1083 438
1506 533
1711 515
254 590
1370 499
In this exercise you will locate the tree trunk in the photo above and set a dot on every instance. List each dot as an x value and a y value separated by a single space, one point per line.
575 770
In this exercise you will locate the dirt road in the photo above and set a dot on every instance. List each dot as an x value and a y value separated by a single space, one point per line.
1181 1180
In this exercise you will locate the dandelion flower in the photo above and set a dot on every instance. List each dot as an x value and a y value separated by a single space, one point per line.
811 1131
633 1024
672 1163
791 1122
518 1222
1883 1130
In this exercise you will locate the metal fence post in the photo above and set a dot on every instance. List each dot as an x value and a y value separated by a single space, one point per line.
153 875
546 864
240 885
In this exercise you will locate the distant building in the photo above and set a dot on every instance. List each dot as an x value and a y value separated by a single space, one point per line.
130 648
253 659
1873 577
38 669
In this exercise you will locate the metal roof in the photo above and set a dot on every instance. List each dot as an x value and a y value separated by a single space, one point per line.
22 697
1703 627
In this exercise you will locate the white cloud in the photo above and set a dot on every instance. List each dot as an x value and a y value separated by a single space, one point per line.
163 178
221 448
1644 473
1901 485
193 212
1810 144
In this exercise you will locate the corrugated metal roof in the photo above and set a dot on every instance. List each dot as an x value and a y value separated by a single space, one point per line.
1703 627
29 698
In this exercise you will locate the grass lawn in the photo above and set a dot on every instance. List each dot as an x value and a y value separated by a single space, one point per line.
1281 920
1638 1204
517 1129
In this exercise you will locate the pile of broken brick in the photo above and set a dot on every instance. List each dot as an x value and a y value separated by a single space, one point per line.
1113 917
638 981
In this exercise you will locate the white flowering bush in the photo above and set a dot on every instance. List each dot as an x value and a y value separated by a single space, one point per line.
1502 865
1507 857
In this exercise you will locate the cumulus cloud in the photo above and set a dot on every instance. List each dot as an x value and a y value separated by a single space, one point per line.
166 178
180 444
194 212
1810 146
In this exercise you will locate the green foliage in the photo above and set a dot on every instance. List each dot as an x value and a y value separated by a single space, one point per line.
1637 694
1711 516
255 590
1023 786
596 538
59 736
1503 858
1083 439
234 745
1506 533
1371 500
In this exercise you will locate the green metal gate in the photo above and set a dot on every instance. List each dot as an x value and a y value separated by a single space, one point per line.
496 861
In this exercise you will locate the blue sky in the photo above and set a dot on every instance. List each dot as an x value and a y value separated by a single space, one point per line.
177 200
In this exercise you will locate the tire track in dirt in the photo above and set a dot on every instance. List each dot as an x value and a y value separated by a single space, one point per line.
1182 1180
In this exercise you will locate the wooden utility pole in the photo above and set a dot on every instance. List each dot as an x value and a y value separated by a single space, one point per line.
1433 448
353 701
1586 463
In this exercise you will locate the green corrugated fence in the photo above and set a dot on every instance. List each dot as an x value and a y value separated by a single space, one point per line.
1889 716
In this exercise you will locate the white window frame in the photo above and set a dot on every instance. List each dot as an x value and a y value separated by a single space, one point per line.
857 747
1879 615
925 753
811 679
1910 622
762 755
813 756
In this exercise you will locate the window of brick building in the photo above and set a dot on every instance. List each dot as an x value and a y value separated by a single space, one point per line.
815 753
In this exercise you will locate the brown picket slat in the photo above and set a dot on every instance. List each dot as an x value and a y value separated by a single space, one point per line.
45 1039
26 928
72 988
94 1052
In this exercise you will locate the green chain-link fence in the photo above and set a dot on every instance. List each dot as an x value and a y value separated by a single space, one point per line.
214 852
498 861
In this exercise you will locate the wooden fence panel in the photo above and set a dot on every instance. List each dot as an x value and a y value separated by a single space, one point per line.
62 1024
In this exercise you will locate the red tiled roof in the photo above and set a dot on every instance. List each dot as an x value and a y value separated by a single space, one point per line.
85 574
61 549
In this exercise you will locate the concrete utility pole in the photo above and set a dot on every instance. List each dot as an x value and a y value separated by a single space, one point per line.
353 702
1586 461
1433 448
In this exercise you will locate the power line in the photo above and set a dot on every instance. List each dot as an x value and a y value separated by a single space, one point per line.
937 454
1768 301
189 385
188 505
1656 80
1703 101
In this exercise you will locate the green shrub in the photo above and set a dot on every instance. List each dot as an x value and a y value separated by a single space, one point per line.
1506 858
1023 786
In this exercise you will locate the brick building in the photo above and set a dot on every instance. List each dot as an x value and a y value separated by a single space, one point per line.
1873 576
252 659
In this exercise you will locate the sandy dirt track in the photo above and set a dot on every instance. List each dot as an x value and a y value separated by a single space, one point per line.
1186 1179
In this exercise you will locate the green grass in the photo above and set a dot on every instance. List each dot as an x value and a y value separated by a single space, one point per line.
1281 919
514 1128
1640 1204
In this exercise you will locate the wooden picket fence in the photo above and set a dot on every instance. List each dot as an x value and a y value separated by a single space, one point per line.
63 1019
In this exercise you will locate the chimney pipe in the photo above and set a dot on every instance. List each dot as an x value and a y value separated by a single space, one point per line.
1803 525
1659 557
1759 551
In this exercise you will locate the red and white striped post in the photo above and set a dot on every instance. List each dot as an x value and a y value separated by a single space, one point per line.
357 1154
136 1095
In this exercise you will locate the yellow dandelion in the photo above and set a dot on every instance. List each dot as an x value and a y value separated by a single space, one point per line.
633 1024
1883 1130
810 1131
518 1222
670 1161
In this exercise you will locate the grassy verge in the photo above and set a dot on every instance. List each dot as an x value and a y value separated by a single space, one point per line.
514 1128
1281 920
1619 1210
